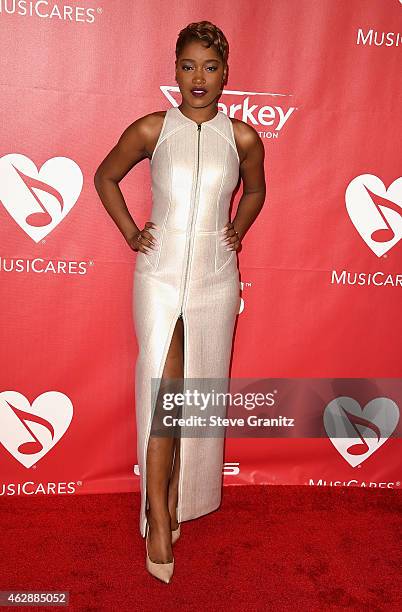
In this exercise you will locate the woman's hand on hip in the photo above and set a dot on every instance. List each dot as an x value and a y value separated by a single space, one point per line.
230 237
143 239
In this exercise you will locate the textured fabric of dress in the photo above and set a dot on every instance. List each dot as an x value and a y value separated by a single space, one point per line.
194 170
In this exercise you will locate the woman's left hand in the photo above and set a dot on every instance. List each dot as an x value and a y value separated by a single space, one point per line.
231 238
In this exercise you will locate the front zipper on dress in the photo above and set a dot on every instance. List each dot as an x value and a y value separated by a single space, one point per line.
180 491
191 220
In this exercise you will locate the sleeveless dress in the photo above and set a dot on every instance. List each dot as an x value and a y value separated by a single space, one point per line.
194 170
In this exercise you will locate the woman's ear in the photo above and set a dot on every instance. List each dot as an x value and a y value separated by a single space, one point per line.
225 75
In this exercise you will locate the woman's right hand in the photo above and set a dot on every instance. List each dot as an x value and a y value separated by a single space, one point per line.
143 239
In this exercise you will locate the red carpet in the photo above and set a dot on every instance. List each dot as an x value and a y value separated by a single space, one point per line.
266 548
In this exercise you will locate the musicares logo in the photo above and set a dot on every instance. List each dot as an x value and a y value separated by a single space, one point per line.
375 211
39 200
378 39
357 433
273 117
49 10
30 432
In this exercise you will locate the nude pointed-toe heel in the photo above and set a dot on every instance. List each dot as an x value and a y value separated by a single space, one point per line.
162 571
175 534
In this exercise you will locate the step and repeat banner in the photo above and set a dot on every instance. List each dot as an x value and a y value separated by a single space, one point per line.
321 268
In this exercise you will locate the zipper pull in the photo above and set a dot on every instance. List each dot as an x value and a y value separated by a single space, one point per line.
199 126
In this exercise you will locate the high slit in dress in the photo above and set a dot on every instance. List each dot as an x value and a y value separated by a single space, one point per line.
194 171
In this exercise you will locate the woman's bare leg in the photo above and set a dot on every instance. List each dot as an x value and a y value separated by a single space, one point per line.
159 463
173 487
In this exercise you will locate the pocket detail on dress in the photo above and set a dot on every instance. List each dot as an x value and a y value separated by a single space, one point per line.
222 255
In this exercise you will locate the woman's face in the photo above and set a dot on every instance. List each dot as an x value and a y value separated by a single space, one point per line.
199 67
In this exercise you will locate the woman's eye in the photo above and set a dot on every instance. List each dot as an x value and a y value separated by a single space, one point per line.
209 68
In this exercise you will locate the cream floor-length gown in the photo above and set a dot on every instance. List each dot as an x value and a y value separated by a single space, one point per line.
194 170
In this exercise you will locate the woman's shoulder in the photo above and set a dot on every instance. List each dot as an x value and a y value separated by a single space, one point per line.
151 120
243 129
148 123
245 136
151 126
143 132
154 116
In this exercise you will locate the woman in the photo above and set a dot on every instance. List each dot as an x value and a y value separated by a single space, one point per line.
186 281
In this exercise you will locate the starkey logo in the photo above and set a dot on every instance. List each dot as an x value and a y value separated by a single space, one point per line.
29 432
268 119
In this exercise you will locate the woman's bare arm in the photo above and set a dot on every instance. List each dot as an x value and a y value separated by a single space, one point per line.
251 153
133 146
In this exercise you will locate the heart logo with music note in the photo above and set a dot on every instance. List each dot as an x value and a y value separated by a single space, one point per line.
30 432
357 433
376 212
39 200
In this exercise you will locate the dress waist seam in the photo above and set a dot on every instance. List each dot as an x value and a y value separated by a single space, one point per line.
196 232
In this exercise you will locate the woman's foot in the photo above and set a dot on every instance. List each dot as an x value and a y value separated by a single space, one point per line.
159 538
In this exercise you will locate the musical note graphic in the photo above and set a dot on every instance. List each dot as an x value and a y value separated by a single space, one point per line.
385 234
362 447
43 217
30 448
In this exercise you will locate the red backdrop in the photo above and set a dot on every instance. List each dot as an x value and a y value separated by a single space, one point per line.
320 82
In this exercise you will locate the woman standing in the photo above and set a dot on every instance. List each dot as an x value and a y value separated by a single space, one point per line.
186 281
